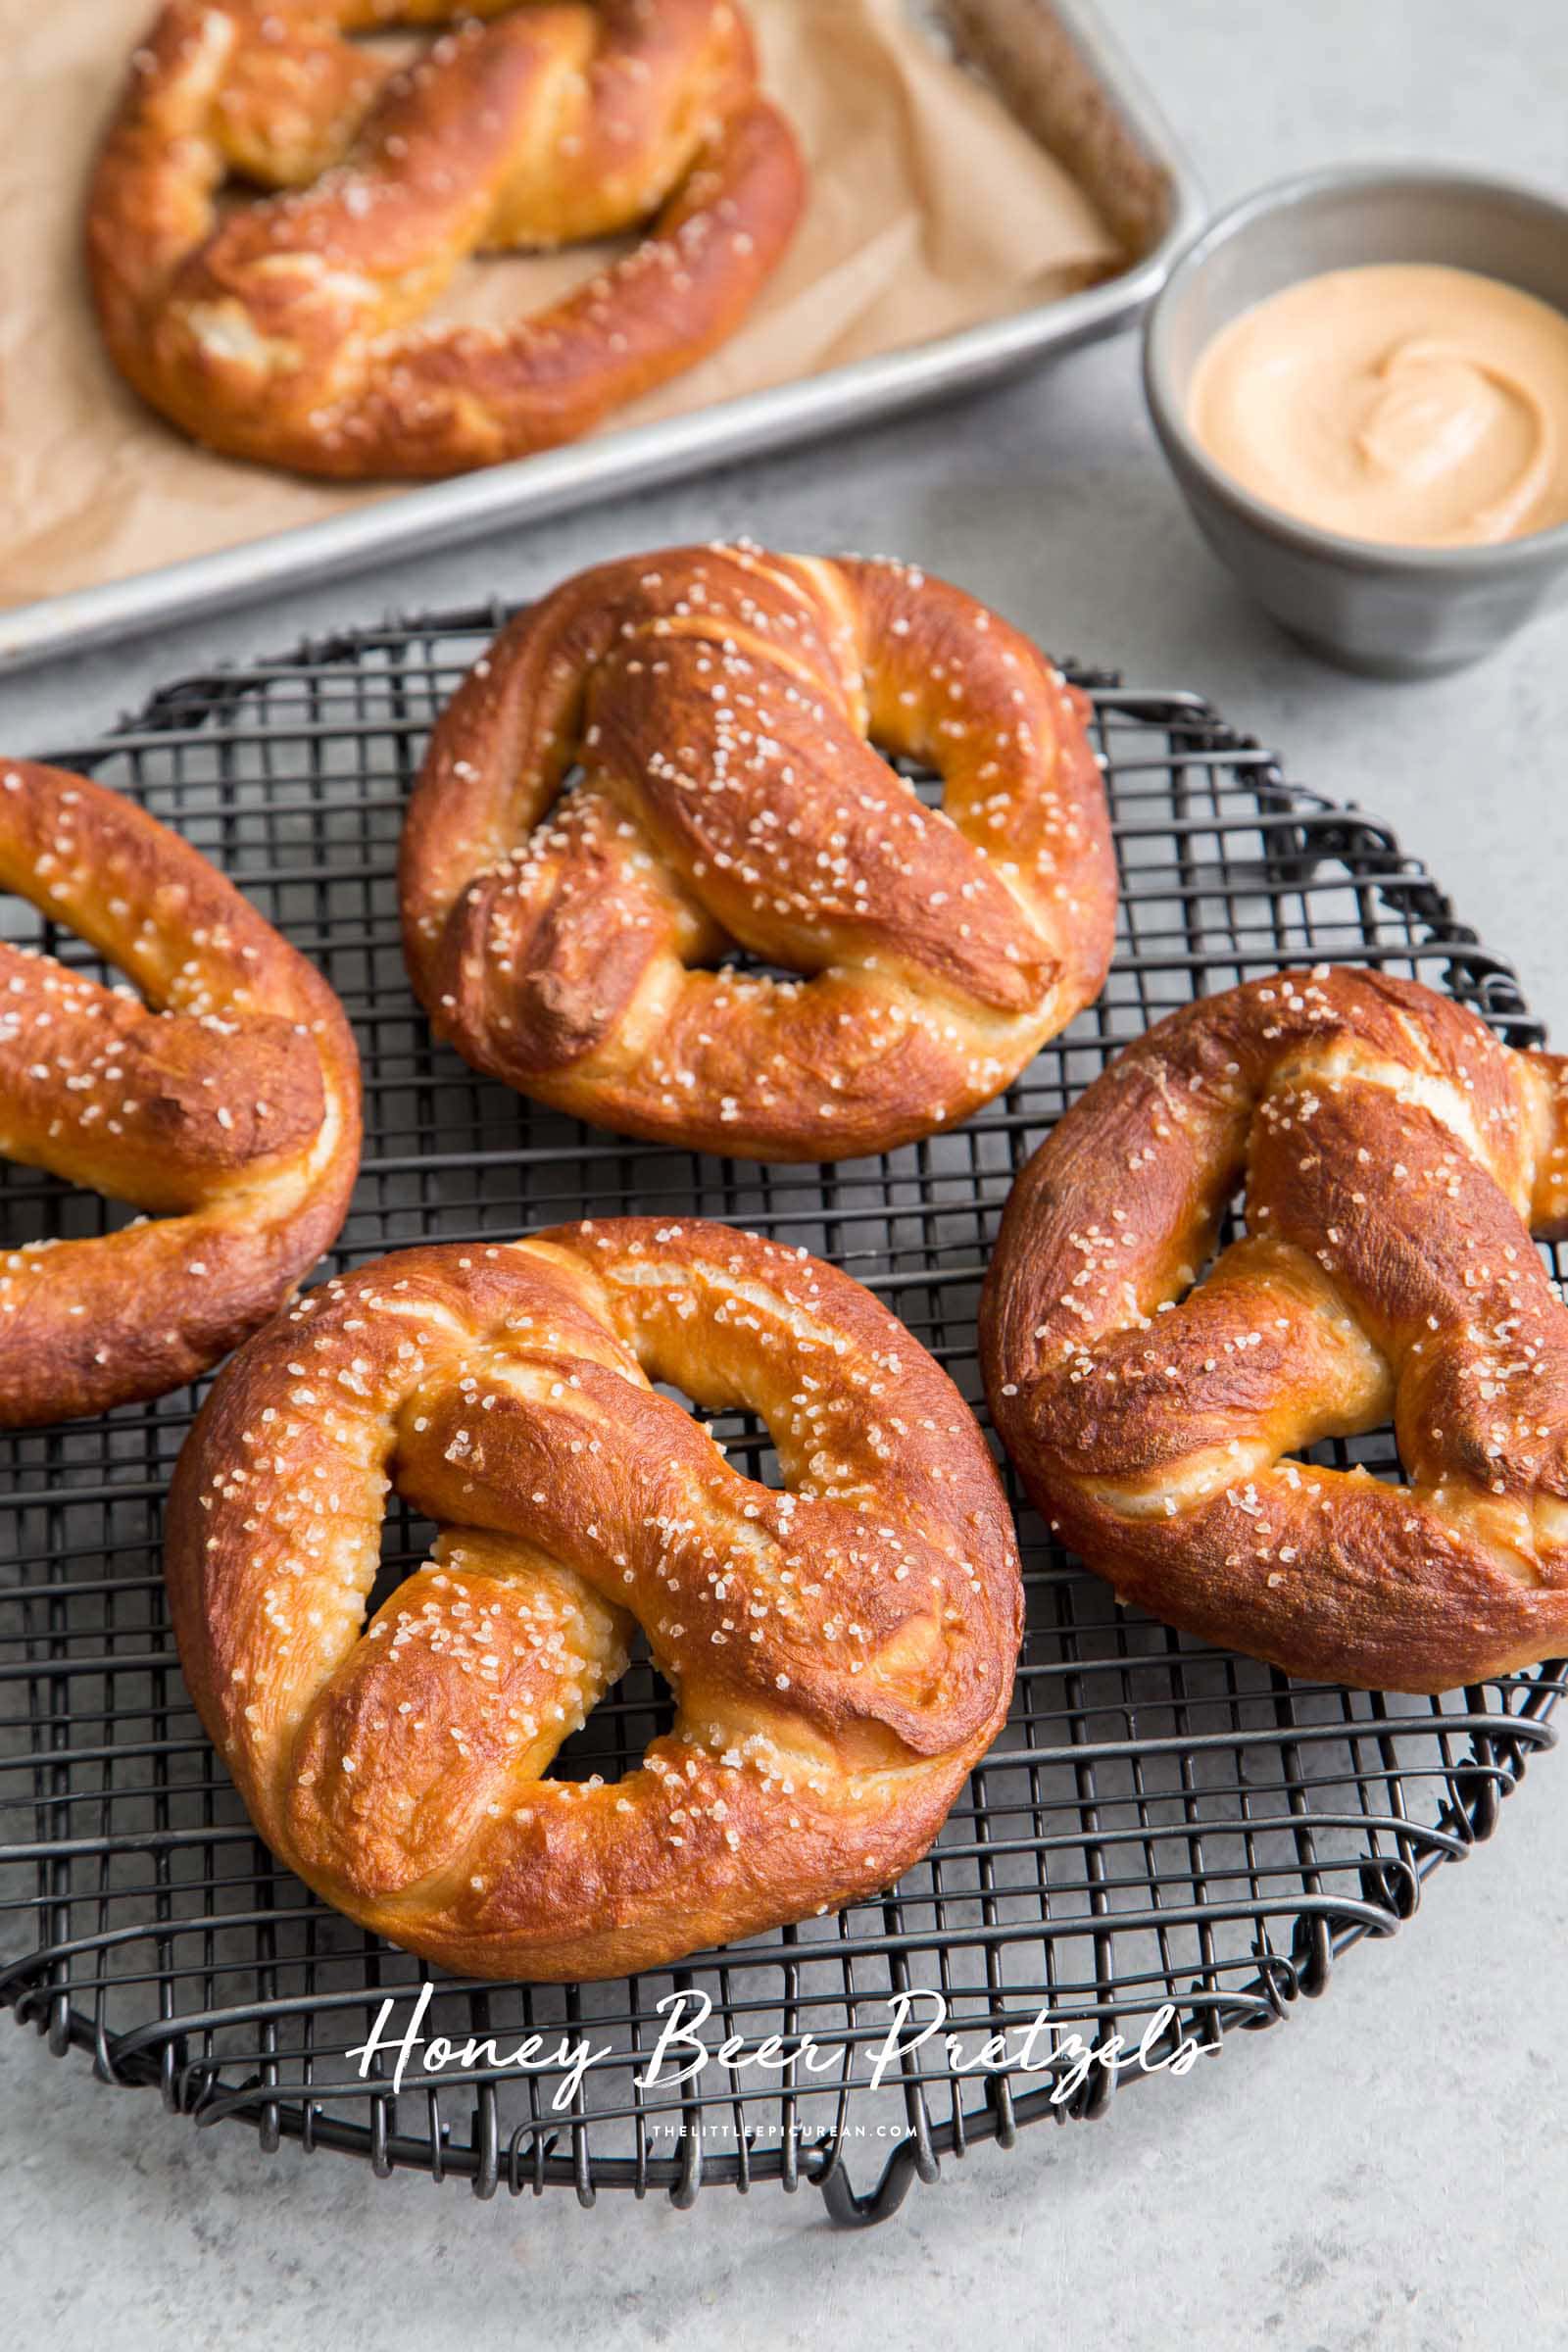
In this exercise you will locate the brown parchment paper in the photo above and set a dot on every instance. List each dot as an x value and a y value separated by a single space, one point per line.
931 209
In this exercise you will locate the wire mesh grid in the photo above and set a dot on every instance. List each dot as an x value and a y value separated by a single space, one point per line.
1168 1844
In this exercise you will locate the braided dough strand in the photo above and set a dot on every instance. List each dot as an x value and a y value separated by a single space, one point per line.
842 1650
288 329
1395 1158
721 705
227 1093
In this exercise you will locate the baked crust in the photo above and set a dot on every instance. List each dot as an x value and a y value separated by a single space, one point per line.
842 1650
289 330
719 701
224 1098
1397 1158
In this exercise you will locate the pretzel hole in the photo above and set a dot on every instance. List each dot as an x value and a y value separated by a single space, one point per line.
618 1732
637 1709
37 1204
642 1705
741 1434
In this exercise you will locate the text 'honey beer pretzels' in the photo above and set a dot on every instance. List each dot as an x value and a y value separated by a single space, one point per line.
1397 1158
224 1098
842 1649
727 709
291 328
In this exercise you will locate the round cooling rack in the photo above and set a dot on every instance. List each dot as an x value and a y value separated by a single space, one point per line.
1168 1844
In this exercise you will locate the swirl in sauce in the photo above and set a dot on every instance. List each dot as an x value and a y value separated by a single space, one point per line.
1402 401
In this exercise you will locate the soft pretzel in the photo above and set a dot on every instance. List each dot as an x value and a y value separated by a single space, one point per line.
1397 1158
842 1649
288 329
225 1096
719 701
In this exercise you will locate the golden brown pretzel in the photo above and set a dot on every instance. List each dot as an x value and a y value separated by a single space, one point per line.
842 1650
719 701
1397 1158
232 1106
289 330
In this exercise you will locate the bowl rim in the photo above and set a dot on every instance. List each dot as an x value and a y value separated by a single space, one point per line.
1536 549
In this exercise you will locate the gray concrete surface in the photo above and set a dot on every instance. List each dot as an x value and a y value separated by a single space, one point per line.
1390 2170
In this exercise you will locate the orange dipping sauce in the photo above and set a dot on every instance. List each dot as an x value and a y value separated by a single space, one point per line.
1404 402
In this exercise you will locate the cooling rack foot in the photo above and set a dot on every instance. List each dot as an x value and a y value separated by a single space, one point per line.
846 2210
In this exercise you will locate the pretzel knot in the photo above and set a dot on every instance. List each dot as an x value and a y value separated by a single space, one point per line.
1395 1158
842 1650
287 329
718 703
227 1094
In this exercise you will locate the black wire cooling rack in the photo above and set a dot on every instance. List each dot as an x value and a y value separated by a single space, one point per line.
1167 1843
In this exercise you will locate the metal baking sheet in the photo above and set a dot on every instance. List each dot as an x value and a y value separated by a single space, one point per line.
1061 75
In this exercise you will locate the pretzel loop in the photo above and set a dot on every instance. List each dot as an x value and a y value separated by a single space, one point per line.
721 705
288 329
1395 1158
842 1649
226 1093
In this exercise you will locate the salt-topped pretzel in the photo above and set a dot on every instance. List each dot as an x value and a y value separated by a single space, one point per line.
224 1097
289 328
1397 1158
842 1649
722 705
